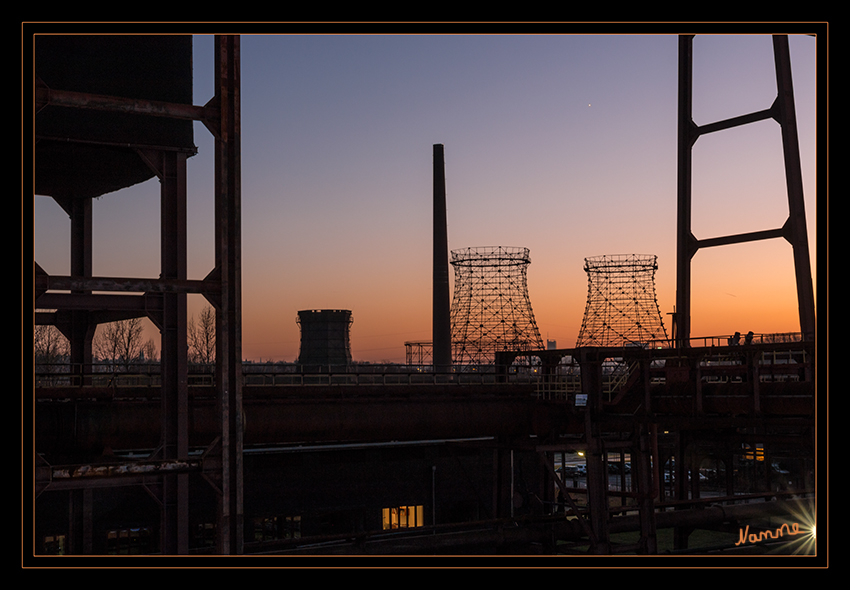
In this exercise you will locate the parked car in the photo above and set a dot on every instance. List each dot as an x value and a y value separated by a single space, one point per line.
614 467
572 471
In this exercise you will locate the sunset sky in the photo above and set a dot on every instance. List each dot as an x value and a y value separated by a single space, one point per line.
564 144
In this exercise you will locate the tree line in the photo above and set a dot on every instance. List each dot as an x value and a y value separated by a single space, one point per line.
121 345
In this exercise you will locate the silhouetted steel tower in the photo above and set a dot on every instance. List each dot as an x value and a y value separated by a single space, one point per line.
621 305
491 310
793 230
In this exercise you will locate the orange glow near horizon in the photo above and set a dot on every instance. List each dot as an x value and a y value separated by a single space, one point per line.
755 291
336 195
744 287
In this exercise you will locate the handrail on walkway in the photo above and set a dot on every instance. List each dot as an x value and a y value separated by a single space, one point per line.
550 371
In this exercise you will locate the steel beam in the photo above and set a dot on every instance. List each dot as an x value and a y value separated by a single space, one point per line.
684 236
77 325
597 478
46 282
174 445
794 230
228 300
794 184
45 96
287 415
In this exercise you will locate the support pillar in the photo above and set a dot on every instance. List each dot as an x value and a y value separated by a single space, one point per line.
647 491
684 240
82 330
228 298
80 522
175 394
597 474
680 485
796 224
76 324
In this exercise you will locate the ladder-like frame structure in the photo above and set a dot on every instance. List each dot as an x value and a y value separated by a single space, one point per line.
793 230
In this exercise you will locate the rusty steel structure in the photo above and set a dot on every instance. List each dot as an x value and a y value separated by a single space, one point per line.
110 112
418 353
673 413
622 308
491 310
783 111
268 460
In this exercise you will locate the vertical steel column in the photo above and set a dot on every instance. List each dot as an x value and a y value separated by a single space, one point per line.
441 319
229 309
503 478
597 476
794 229
684 238
680 487
175 393
76 324
80 212
794 182
646 488
80 521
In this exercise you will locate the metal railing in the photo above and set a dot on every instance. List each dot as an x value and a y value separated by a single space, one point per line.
279 375
718 360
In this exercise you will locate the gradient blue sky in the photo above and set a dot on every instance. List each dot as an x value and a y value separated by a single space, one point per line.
564 144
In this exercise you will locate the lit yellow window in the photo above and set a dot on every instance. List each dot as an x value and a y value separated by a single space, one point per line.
402 517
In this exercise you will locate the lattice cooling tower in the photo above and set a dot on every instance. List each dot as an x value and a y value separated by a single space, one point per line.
621 305
491 310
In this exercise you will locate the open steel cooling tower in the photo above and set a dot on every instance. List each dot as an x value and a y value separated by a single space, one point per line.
622 309
325 337
491 310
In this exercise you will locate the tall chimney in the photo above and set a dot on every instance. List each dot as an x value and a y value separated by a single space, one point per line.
441 322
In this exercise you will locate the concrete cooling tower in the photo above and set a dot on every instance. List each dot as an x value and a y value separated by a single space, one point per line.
325 337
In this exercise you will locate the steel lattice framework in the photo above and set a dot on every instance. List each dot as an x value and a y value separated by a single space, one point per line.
622 308
419 353
491 310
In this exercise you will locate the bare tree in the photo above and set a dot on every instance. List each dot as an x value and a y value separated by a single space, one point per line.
120 343
201 337
49 346
149 353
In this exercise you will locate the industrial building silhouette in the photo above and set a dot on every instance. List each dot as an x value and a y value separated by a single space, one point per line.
325 337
